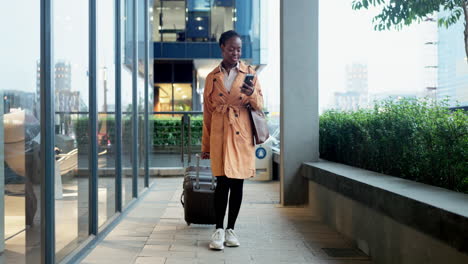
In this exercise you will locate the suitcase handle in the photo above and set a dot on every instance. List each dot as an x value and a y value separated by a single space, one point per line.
197 178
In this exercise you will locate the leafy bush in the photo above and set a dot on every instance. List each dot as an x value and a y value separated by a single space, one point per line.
409 138
164 131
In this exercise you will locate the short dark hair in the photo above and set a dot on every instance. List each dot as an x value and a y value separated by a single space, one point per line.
226 36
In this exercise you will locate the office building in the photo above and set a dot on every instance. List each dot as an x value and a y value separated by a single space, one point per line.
186 49
357 89
452 66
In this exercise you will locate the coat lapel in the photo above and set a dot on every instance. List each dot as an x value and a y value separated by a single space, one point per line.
237 84
219 77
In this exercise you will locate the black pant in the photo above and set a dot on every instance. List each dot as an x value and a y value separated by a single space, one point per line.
224 184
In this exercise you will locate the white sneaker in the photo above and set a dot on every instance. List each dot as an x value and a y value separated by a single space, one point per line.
217 239
231 238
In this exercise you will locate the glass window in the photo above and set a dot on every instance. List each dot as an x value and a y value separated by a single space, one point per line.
20 226
169 19
71 122
182 96
141 97
163 97
175 97
127 135
106 108
194 20
221 18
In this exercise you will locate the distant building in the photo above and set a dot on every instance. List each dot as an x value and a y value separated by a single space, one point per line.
453 66
357 88
430 30
66 100
15 99
378 97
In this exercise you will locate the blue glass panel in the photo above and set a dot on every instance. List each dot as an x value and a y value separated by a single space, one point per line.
198 50
174 50
198 5
198 25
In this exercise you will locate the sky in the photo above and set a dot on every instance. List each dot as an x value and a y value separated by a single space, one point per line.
395 59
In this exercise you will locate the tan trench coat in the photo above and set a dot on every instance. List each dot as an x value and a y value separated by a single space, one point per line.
227 131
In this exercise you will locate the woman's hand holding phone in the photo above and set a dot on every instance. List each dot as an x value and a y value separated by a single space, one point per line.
248 87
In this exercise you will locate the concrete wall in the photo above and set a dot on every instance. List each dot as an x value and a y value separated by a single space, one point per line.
379 236
299 119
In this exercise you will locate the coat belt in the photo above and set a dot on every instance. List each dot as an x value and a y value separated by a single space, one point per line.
232 111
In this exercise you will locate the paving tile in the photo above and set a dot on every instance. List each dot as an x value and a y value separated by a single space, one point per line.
176 260
150 260
151 248
155 232
167 254
189 248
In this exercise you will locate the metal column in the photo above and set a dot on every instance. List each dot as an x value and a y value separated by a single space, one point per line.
47 136
118 107
146 54
135 168
93 123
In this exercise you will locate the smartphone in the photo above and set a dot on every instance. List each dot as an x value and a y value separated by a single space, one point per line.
249 79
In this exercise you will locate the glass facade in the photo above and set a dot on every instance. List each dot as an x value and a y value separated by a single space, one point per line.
452 68
190 29
192 20
71 32
127 102
97 89
186 48
106 110
20 180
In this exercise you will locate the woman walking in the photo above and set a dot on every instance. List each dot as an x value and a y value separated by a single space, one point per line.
227 133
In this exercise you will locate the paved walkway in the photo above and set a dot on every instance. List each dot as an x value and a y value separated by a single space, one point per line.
155 232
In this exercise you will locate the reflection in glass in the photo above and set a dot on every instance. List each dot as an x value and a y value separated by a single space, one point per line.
221 19
170 19
141 97
71 123
106 108
20 135
127 139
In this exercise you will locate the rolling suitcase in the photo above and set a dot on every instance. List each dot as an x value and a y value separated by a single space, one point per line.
198 195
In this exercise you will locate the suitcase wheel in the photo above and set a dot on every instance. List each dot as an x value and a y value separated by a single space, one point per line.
188 223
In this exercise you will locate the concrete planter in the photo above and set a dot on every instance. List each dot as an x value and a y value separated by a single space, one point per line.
391 219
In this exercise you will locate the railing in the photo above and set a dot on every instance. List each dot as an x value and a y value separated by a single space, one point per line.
167 135
164 134
185 121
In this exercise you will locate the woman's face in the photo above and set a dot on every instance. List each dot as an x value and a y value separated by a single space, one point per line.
232 50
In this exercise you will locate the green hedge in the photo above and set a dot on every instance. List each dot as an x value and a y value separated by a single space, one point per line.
408 138
165 131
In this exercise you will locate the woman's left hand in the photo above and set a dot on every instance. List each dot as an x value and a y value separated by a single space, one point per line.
247 89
